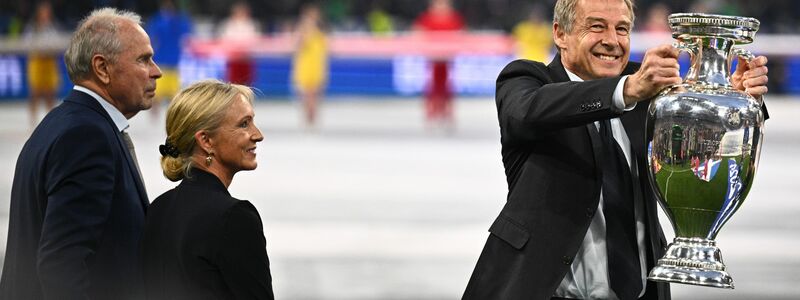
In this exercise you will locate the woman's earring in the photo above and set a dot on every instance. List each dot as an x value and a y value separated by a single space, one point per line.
208 161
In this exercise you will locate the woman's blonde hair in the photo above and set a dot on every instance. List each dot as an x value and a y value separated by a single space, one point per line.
200 106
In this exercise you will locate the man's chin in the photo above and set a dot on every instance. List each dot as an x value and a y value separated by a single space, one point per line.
146 104
608 72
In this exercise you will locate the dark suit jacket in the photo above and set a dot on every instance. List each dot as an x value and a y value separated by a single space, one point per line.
201 243
551 153
77 210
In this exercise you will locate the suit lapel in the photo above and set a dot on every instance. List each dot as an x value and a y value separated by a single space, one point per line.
84 99
559 74
557 71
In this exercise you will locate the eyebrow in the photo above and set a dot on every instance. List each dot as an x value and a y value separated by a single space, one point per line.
598 19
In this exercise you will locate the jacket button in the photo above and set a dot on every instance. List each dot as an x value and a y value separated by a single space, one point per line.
590 212
566 260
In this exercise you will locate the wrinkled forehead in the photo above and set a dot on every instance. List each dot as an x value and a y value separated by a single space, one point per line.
611 11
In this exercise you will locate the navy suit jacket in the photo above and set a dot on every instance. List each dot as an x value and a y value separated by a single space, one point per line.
77 210
551 153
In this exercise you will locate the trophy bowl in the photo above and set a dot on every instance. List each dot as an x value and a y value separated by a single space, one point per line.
704 141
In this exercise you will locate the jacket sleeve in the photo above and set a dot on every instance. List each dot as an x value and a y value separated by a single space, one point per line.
79 184
243 259
530 105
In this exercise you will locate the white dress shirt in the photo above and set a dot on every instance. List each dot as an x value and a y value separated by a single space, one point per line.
588 277
119 119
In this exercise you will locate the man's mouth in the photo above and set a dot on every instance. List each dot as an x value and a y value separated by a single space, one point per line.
606 57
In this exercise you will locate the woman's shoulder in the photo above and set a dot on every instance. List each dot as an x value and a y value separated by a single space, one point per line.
242 215
204 200
242 208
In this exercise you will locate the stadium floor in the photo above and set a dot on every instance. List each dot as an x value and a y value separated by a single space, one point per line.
374 205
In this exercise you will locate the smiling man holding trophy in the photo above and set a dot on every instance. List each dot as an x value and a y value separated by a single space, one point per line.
580 219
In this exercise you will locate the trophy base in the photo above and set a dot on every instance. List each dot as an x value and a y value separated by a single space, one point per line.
694 261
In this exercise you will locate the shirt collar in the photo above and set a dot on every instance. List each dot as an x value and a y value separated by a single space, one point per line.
572 76
119 119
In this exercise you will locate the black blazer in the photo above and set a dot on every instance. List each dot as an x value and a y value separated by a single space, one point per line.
77 210
201 243
551 151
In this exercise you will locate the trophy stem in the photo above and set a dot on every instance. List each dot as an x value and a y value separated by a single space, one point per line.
712 64
694 261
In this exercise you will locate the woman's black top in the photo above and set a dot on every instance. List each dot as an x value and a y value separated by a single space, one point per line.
201 243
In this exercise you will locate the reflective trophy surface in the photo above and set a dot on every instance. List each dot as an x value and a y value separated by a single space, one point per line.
704 143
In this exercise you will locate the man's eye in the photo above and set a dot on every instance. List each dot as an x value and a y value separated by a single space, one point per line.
596 27
244 124
623 30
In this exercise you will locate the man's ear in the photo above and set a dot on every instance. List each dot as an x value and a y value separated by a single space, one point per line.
559 36
100 67
203 141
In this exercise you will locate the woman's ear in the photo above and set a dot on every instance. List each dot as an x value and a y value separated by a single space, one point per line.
203 140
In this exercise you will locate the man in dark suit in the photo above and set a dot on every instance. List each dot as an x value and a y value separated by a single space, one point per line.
573 148
78 201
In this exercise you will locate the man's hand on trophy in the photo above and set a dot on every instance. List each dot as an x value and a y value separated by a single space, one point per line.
751 77
659 70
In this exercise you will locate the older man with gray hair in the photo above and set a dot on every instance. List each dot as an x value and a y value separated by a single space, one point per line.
78 200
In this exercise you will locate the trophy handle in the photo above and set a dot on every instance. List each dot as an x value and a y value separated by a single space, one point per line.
747 56
744 54
692 49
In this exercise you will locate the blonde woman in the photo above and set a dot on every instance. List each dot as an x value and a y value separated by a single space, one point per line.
199 242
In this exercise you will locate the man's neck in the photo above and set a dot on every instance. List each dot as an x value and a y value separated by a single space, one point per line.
572 76
103 93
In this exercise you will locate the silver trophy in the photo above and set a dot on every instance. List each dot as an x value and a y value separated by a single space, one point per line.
704 144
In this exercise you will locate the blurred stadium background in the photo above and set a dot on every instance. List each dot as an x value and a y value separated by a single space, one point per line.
374 203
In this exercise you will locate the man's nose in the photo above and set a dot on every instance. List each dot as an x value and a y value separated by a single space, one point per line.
610 37
156 71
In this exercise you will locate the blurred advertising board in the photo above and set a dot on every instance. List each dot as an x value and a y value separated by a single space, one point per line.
397 65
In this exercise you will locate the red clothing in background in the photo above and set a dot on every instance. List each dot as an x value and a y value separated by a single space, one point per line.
438 96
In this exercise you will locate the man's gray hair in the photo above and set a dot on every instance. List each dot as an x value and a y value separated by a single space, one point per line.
566 10
96 34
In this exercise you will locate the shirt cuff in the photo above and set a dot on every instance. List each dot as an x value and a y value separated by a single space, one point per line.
619 98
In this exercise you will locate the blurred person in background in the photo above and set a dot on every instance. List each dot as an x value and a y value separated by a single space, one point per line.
379 21
167 29
44 76
439 17
310 61
78 199
337 13
199 242
239 31
533 36
580 219
656 20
